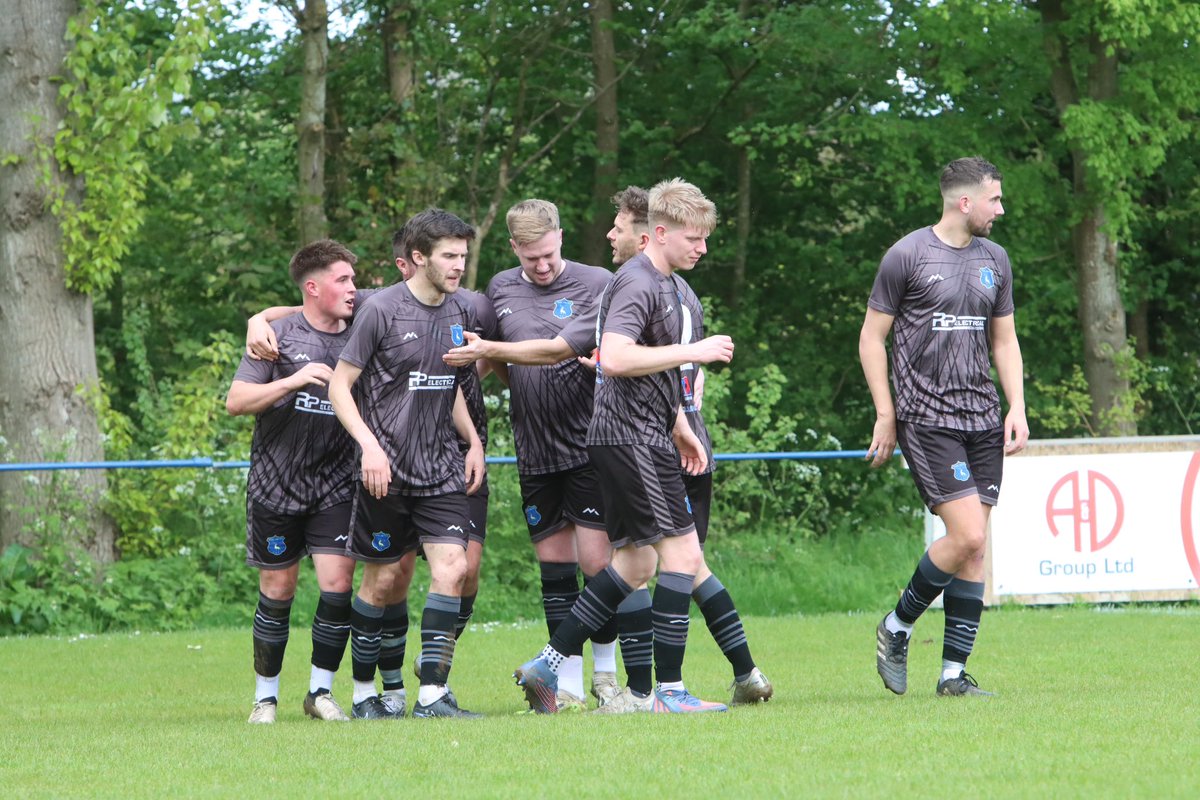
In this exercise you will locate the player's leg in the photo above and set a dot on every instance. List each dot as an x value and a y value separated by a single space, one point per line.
446 552
274 545
598 603
963 597
936 458
477 507
378 540
680 560
716 605
584 506
327 533
394 637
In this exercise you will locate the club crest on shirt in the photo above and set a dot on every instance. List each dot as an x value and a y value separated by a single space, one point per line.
381 541
456 335
960 470
564 308
987 277
276 545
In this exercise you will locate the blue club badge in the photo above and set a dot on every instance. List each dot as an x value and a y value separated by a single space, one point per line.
987 277
564 308
961 472
276 545
381 541
456 335
532 515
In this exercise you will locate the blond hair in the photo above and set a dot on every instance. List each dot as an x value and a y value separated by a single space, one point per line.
530 220
678 204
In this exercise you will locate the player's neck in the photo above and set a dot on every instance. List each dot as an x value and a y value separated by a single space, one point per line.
323 322
952 232
658 260
424 291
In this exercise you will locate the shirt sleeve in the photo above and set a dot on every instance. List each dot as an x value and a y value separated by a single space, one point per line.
1004 299
370 325
632 301
891 282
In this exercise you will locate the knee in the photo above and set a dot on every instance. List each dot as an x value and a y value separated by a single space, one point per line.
277 584
451 568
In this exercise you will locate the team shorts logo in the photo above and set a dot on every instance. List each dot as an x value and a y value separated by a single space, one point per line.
422 381
564 308
276 545
381 541
456 335
532 515
960 470
987 277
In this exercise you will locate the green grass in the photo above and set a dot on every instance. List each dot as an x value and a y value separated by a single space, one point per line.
1091 703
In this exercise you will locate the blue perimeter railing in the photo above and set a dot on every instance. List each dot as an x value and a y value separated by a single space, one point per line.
208 463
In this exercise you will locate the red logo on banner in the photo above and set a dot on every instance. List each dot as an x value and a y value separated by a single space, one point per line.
1082 510
1186 525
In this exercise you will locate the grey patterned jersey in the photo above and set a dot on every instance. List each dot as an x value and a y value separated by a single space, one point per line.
551 406
405 392
643 304
693 331
485 326
943 299
301 458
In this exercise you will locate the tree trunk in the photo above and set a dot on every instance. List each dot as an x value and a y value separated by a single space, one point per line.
49 346
310 127
1101 312
604 178
397 49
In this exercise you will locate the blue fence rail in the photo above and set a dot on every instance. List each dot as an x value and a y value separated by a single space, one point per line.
208 463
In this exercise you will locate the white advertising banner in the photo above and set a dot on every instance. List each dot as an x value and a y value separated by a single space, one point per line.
1081 524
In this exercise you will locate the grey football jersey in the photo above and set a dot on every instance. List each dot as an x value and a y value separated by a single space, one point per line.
485 327
406 392
551 406
643 304
301 458
693 331
943 299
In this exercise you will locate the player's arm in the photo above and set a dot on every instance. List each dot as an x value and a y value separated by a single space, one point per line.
691 450
473 460
872 351
376 469
531 352
622 357
260 336
1010 368
252 398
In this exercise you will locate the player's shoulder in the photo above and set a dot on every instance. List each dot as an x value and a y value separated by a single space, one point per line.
586 273
504 280
292 325
476 301
996 251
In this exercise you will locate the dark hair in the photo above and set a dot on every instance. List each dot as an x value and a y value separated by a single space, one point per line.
424 230
316 256
964 172
400 242
635 201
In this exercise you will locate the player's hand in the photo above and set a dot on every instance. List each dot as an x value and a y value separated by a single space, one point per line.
1016 431
590 361
883 441
260 340
466 354
314 373
376 471
475 467
698 390
691 452
713 348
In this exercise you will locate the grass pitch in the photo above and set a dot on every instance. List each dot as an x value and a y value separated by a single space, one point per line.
1091 703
